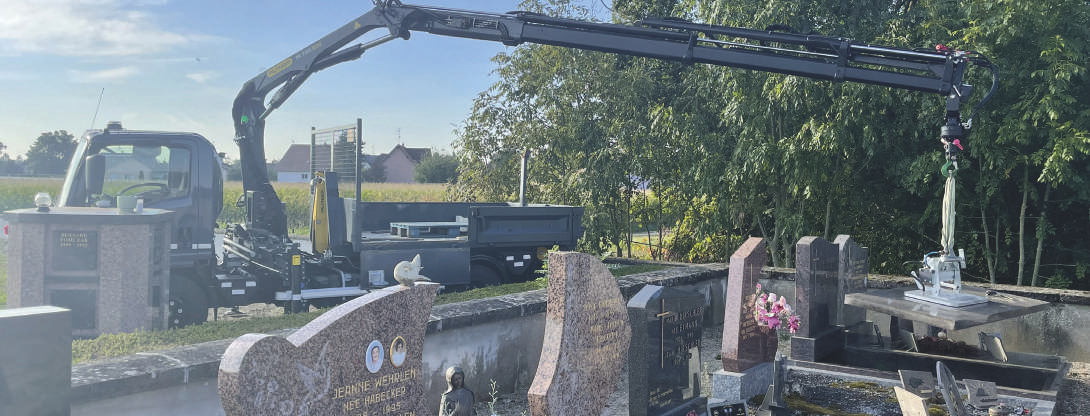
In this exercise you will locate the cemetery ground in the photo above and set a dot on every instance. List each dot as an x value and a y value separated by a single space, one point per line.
1073 397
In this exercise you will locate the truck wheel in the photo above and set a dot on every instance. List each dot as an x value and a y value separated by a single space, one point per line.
482 275
188 304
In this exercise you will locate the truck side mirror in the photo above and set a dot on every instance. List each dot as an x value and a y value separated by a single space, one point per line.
94 173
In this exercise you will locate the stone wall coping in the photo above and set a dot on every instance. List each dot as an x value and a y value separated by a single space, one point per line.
119 376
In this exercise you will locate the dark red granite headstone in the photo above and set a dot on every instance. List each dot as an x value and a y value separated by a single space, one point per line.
745 344
586 338
327 367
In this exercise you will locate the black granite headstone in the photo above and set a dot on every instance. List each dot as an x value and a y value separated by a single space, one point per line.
664 356
816 289
853 267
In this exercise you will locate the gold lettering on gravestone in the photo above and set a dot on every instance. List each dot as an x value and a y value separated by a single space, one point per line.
660 397
601 336
363 393
683 329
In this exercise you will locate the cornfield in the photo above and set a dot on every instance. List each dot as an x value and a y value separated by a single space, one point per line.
16 193
296 198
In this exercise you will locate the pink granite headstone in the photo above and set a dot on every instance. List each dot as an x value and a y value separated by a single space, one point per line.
587 334
360 358
745 344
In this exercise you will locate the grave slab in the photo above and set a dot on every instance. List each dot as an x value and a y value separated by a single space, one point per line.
35 361
362 357
587 335
893 302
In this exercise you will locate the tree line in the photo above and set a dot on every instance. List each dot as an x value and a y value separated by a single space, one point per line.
718 154
48 156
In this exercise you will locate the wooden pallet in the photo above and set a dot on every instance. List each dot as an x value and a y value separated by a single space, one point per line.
427 229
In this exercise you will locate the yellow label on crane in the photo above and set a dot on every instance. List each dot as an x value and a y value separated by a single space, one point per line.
319 219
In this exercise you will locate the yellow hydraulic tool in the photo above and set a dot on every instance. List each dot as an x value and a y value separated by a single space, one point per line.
319 217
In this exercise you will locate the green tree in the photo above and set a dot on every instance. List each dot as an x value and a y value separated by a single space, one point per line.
50 153
437 168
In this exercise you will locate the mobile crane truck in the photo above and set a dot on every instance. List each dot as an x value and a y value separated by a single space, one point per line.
503 242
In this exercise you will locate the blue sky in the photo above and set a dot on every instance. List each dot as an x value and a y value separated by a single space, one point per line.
177 65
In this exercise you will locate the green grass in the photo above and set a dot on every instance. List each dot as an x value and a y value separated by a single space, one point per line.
113 345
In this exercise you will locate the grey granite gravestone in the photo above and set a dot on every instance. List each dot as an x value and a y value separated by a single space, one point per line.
35 361
982 394
911 404
816 289
852 269
920 383
587 336
664 359
362 357
773 404
745 343
948 386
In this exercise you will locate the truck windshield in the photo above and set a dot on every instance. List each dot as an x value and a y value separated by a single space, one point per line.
155 172
152 172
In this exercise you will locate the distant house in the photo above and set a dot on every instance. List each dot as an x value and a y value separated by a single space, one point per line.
400 163
295 165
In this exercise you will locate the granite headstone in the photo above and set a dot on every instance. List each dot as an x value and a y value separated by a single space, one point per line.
664 359
816 290
852 270
587 335
982 394
745 343
35 361
948 386
362 357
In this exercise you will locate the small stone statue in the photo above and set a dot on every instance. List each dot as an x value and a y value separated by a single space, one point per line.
458 400
408 272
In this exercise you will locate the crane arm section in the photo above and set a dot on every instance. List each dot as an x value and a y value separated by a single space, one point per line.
811 56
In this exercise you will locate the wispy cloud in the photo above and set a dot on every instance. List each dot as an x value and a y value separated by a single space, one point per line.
84 28
203 76
106 75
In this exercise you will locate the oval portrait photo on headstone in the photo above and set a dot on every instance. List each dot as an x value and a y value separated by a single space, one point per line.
374 356
398 349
